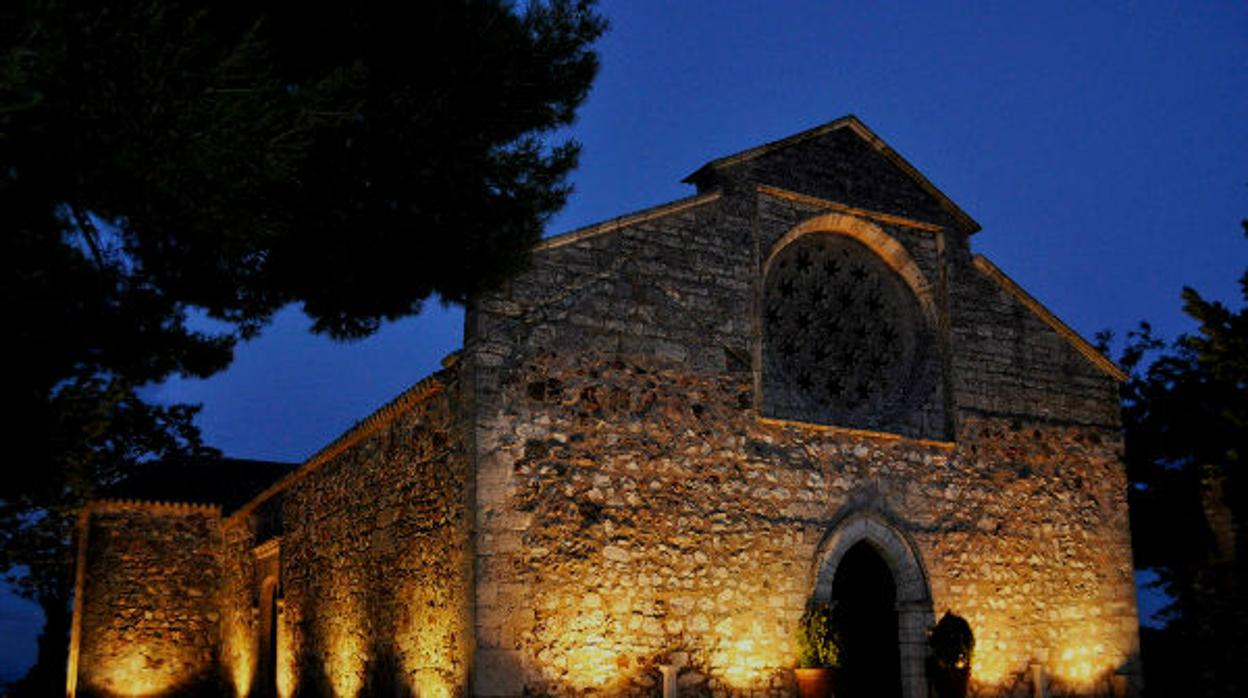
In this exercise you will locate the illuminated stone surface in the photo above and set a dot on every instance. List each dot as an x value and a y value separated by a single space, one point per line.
151 626
638 460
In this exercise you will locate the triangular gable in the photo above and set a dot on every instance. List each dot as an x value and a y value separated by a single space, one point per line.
1063 330
853 125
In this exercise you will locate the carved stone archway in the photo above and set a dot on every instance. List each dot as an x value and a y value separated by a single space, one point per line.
914 603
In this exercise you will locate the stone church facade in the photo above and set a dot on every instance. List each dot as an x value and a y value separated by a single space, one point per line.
658 445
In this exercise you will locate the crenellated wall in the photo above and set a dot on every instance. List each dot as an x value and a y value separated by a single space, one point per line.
148 604
349 577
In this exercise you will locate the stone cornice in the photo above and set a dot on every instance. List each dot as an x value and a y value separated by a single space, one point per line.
866 434
624 221
268 548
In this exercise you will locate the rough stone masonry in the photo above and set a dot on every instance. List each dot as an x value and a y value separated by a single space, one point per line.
657 447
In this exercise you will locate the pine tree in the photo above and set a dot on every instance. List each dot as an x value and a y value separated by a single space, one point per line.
160 158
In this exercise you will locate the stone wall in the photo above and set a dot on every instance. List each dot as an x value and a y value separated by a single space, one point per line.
635 506
1032 545
1007 361
927 413
236 596
647 514
149 616
838 165
375 561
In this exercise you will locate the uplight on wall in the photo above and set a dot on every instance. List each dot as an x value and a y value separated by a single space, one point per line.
748 653
137 673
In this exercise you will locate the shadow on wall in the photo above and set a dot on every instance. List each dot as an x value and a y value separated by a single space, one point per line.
384 677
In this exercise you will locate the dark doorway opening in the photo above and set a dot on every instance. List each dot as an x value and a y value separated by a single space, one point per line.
866 618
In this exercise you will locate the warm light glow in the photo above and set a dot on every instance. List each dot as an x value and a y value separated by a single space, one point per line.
748 654
996 658
285 659
429 638
589 657
344 665
593 664
1082 665
241 652
242 673
347 658
992 662
430 684
136 674
428 644
589 643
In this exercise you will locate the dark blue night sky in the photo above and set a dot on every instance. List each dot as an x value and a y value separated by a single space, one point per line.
1102 146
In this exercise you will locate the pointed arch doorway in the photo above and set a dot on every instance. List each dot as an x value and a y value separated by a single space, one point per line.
865 599
872 573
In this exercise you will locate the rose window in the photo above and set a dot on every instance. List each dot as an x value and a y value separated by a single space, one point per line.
841 334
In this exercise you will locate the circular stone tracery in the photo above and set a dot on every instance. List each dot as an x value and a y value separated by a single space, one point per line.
841 333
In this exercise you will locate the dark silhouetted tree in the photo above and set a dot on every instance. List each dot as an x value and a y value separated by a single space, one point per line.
164 157
1186 421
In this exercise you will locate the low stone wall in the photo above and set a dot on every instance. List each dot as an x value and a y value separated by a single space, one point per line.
149 616
632 514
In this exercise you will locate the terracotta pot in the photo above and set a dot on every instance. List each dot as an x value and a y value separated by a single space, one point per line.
815 683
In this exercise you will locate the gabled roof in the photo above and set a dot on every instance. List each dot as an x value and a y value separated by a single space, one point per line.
855 126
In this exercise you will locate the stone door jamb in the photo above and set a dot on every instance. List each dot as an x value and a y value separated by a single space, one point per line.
914 603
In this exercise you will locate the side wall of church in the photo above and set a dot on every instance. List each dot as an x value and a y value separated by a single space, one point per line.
633 509
375 565
149 614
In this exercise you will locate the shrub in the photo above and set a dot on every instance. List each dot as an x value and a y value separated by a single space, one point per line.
952 643
817 643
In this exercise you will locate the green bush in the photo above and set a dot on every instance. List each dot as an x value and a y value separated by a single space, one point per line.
817 643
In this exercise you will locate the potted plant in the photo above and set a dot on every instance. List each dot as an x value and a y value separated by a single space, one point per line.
952 646
818 652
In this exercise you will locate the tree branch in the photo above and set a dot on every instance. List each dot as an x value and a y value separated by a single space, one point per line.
89 233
